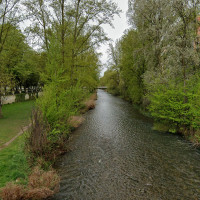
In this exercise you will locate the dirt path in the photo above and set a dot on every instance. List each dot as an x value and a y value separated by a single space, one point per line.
14 138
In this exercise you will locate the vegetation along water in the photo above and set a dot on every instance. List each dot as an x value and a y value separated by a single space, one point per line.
51 54
116 155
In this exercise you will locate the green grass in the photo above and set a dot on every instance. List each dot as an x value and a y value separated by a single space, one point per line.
13 163
15 117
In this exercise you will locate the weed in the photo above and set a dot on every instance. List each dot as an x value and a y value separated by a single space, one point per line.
41 185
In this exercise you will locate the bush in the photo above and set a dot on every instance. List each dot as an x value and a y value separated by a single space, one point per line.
175 106
50 122
20 97
12 192
37 141
41 185
58 104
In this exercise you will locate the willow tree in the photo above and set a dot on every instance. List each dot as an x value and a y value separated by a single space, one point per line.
168 31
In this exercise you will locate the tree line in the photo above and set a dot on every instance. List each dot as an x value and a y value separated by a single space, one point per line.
156 63
52 43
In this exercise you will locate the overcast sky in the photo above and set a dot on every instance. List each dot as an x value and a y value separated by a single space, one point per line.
120 24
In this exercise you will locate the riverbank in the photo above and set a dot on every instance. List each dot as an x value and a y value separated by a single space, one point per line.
116 155
15 117
190 135
13 162
43 163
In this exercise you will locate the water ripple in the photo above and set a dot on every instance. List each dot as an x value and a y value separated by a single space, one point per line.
116 155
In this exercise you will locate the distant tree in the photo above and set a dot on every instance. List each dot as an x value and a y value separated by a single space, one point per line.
9 17
110 79
5 83
132 67
18 58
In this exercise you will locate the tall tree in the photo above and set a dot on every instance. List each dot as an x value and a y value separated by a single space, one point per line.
39 15
87 20
9 16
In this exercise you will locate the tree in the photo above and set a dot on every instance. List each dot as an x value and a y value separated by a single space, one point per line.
39 14
5 82
132 67
84 20
158 62
9 17
18 58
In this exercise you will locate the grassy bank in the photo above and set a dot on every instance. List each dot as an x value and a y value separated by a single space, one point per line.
15 117
13 163
43 148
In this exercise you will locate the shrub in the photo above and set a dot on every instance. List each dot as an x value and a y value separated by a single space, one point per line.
37 141
75 121
20 97
58 104
41 185
12 192
176 106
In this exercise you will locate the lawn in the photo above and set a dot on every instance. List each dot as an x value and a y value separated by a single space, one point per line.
15 117
13 163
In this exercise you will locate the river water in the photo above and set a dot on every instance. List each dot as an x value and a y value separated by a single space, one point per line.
116 155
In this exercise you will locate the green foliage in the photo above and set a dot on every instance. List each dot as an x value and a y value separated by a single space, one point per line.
124 76
58 104
19 64
132 67
111 80
156 64
20 97
172 105
167 105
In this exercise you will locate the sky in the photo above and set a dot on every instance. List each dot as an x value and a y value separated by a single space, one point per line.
120 25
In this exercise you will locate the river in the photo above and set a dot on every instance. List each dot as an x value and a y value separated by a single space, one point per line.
116 155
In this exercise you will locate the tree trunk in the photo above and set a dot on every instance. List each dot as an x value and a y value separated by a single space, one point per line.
1 115
74 43
72 68
63 32
44 25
